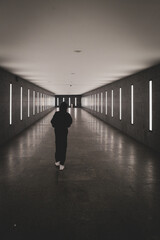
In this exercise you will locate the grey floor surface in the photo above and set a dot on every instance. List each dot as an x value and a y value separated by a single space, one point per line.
110 188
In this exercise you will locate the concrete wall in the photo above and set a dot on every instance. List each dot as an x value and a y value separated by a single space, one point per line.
140 129
8 131
72 97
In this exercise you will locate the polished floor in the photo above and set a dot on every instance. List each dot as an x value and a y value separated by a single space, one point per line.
109 190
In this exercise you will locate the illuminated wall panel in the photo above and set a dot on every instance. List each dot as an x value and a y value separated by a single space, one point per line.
21 103
120 103
150 106
10 106
132 104
112 103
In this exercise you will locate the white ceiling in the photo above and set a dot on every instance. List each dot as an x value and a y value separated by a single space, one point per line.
38 39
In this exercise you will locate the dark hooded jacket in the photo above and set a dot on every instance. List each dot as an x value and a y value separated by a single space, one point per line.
61 120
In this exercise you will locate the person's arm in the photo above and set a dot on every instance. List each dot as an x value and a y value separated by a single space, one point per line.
69 120
53 121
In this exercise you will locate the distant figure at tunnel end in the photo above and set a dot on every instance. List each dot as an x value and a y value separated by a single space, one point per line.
61 121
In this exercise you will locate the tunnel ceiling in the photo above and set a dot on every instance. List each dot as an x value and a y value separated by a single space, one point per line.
73 46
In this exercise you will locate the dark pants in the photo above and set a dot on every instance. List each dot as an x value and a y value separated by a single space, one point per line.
61 146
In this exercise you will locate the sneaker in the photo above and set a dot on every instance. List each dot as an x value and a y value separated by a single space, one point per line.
61 167
57 164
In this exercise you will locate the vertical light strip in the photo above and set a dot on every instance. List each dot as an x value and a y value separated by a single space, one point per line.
112 103
57 102
150 105
10 106
44 102
28 102
95 102
75 102
98 102
33 102
41 102
63 99
106 103
48 101
21 97
120 104
92 102
132 104
69 101
37 102
101 102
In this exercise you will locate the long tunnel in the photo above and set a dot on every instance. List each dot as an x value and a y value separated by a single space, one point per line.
102 58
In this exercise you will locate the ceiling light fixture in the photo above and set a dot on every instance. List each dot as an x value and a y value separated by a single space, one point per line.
39 81
77 51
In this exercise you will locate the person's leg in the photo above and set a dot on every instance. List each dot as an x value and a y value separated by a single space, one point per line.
63 149
58 148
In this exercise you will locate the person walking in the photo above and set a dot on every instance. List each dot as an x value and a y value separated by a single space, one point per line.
61 121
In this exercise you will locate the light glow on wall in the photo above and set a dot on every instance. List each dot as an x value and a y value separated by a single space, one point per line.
120 104
101 102
92 102
112 103
98 102
33 102
37 102
10 106
57 102
41 102
150 105
21 97
95 102
45 102
106 103
132 104
75 102
28 102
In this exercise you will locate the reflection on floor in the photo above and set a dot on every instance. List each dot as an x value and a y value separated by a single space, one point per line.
108 190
